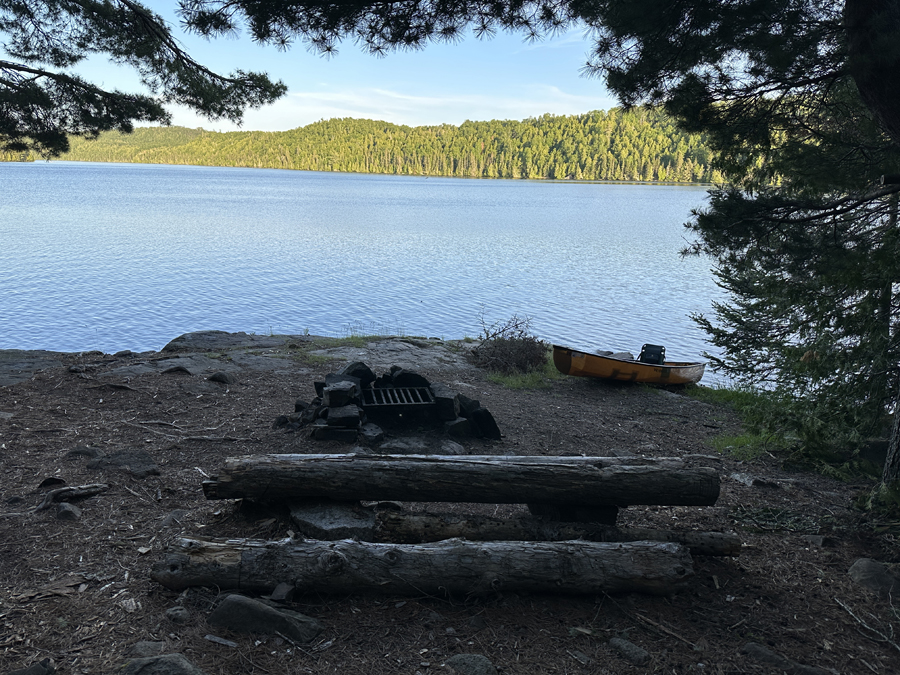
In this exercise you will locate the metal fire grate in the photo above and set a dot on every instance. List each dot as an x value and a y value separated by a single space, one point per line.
397 397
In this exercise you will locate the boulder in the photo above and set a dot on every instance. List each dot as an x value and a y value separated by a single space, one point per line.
459 428
630 651
484 424
136 462
360 371
339 394
407 378
244 615
347 416
166 664
446 402
876 577
329 520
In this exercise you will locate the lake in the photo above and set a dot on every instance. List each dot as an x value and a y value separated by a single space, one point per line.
129 256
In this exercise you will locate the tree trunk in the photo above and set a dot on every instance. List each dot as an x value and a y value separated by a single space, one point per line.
891 474
415 528
873 51
582 481
453 567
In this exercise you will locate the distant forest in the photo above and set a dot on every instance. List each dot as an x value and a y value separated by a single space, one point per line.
6 156
640 145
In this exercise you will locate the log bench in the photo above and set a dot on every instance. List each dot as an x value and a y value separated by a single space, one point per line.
324 492
383 550
568 488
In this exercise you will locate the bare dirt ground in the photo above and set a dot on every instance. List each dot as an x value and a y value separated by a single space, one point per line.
79 591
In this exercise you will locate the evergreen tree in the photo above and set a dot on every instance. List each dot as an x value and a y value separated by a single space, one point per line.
42 101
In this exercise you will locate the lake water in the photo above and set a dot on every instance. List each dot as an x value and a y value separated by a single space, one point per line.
128 256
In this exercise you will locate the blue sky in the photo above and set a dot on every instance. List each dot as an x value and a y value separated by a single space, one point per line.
500 78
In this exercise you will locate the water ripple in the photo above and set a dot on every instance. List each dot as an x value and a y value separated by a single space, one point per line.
106 256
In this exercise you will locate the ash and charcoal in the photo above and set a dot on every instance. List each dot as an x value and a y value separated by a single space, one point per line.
356 405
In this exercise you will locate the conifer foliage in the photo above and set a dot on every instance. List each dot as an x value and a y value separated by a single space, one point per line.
42 101
642 145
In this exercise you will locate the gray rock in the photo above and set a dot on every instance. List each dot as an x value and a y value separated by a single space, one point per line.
876 577
371 433
459 428
581 657
166 664
452 448
407 378
360 371
347 416
767 657
446 402
339 394
223 377
283 593
485 425
136 462
18 365
244 615
405 446
146 648
66 511
83 451
177 368
311 413
630 651
44 667
753 481
471 664
333 520
178 615
467 405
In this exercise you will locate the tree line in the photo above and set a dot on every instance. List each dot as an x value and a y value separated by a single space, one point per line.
10 156
637 145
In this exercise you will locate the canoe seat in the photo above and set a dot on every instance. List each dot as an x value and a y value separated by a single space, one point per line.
655 354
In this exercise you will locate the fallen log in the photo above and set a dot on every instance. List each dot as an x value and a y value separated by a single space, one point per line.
330 521
448 568
583 481
414 528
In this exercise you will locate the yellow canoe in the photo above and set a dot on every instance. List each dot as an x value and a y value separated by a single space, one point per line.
573 362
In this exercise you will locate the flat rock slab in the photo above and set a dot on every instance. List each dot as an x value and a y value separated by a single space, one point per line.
136 462
333 520
261 363
212 340
407 353
167 664
191 350
245 615
19 365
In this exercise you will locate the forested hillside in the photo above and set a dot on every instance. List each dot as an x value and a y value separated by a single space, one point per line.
16 157
641 145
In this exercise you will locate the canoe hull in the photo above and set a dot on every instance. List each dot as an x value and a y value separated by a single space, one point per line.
581 364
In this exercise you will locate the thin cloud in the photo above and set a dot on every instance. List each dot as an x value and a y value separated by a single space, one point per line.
302 108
